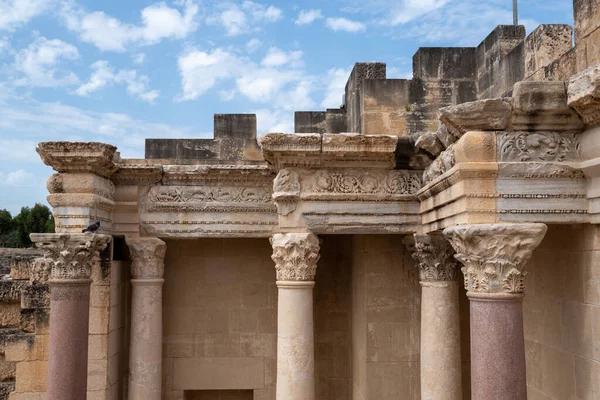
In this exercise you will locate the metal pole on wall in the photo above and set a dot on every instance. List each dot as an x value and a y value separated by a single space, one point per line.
515 13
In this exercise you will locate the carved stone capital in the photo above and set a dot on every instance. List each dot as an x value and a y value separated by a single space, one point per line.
435 257
147 257
584 95
295 256
494 255
71 255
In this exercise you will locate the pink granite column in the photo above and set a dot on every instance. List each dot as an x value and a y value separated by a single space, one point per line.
494 257
71 256
440 320
145 355
295 256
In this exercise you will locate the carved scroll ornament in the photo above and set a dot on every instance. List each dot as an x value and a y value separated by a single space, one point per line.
295 256
494 255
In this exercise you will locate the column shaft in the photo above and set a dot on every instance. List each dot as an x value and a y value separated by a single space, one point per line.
145 353
497 347
295 256
145 368
440 342
71 257
494 258
295 341
68 342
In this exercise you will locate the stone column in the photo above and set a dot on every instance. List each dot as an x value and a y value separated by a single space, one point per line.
440 320
494 256
295 256
145 355
71 257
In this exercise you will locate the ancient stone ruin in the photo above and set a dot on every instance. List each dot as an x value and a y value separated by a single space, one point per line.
433 238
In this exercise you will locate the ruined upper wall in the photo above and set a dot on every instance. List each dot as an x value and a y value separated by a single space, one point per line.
234 141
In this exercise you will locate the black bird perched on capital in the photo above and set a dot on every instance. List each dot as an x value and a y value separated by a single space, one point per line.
92 228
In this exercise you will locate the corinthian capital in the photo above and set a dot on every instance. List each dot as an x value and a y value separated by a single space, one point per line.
295 256
147 257
494 255
71 255
435 257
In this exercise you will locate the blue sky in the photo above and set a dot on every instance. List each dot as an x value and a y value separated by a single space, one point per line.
120 71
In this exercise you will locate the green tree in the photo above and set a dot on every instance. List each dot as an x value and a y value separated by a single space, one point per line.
37 219
8 236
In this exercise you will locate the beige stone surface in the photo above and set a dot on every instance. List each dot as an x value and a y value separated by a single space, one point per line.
561 311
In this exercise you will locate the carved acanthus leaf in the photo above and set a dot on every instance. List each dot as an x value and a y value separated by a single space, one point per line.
435 257
494 255
147 257
295 256
538 146
71 255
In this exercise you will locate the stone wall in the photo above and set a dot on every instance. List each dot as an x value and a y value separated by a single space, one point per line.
220 318
562 315
386 315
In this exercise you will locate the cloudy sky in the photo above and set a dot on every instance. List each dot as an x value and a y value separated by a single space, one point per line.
120 71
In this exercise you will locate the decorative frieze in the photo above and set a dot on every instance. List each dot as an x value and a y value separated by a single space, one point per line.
295 256
384 183
538 146
147 257
208 194
494 255
435 257
71 255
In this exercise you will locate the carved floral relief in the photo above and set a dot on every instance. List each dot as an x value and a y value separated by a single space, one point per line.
494 255
538 146
295 256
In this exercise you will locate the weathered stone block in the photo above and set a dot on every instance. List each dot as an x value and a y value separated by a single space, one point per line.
218 373
492 114
360 72
444 63
31 376
335 119
310 122
587 17
543 105
546 44
584 94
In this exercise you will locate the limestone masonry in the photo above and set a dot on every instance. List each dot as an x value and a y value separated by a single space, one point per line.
434 238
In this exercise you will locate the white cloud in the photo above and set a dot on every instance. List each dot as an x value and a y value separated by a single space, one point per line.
462 23
14 13
346 25
104 74
36 122
279 80
38 64
408 10
139 58
273 121
308 17
200 71
253 45
159 22
4 46
336 79
246 18
19 177
276 58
